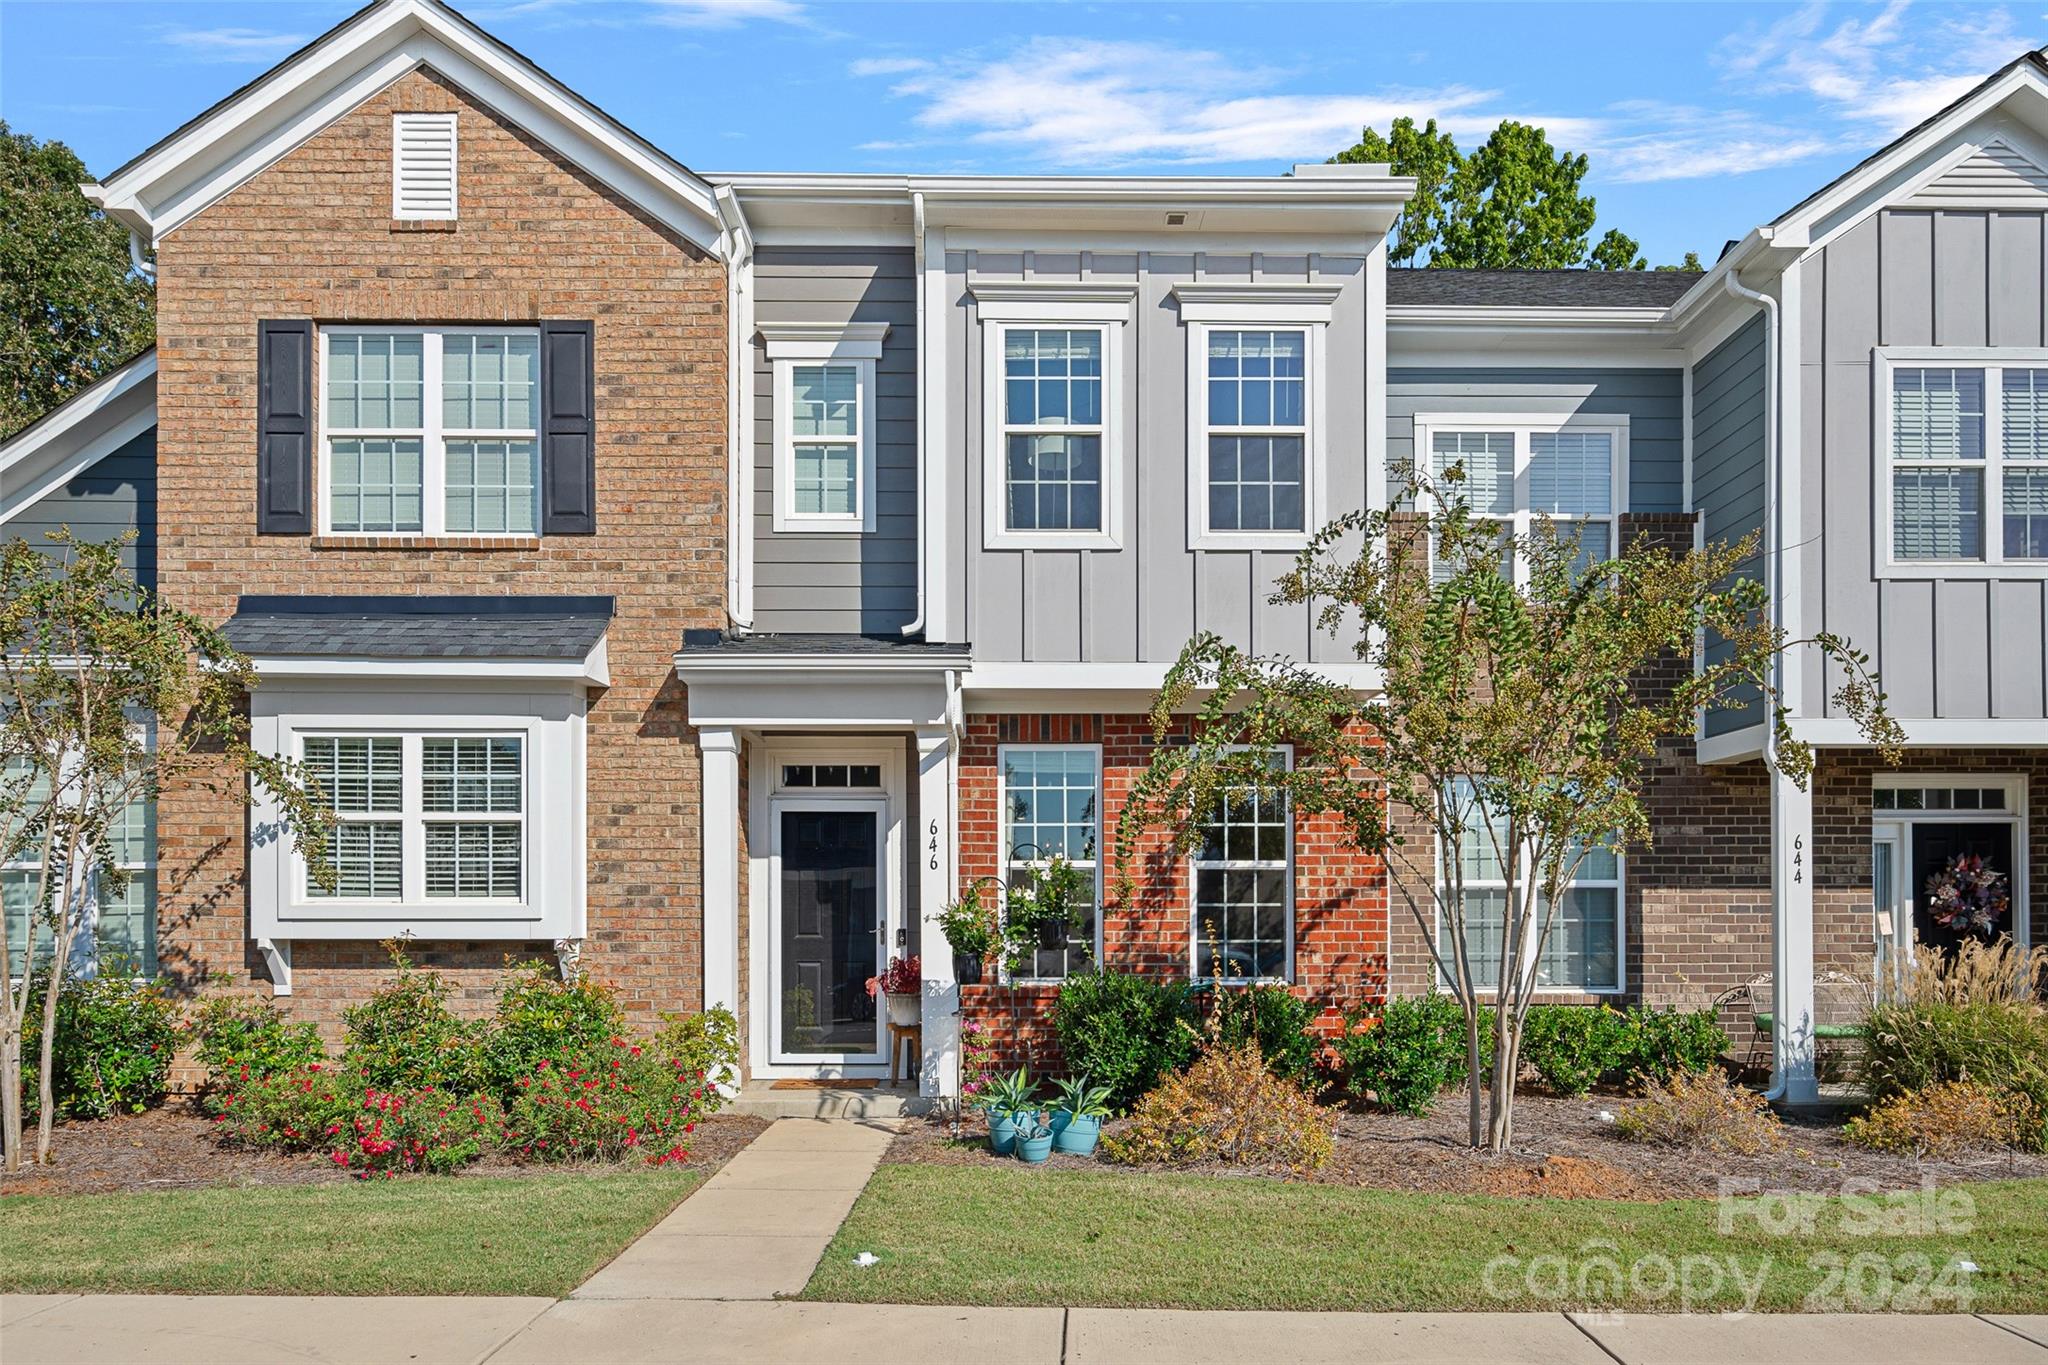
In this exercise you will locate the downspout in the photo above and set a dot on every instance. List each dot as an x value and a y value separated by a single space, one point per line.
135 258
916 626
739 393
1773 363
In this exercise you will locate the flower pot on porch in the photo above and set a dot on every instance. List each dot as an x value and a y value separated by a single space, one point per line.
904 1008
967 968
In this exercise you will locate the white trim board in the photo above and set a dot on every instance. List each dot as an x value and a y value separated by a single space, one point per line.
94 424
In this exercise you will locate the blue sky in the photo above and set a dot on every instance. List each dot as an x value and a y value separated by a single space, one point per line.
1701 120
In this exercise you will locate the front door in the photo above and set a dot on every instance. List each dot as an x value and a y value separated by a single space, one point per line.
1935 847
828 939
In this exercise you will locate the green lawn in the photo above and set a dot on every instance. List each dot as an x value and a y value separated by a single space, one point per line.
424 1235
990 1235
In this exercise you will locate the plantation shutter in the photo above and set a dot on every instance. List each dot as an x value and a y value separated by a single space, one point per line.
568 429
284 427
423 166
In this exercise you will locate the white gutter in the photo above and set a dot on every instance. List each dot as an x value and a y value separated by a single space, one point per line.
739 389
1775 540
142 267
916 625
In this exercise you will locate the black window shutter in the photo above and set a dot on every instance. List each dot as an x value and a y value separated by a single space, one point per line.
568 429
284 427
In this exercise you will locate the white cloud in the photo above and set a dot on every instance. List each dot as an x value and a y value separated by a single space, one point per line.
234 44
726 13
887 66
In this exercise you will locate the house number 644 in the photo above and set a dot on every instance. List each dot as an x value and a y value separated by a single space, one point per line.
933 847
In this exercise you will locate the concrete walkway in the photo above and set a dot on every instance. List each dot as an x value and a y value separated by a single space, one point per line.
757 1228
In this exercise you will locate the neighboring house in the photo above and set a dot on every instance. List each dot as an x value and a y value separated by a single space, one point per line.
711 575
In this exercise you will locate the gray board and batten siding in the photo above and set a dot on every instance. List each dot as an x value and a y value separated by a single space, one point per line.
1141 602
813 583
1944 647
1728 465
116 493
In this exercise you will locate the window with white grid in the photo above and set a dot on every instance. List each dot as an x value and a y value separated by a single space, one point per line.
1052 428
430 431
825 431
422 816
1244 889
1256 472
1052 807
1965 458
1583 950
120 897
1521 471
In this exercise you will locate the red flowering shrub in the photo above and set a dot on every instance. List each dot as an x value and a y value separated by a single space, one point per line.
358 1126
608 1104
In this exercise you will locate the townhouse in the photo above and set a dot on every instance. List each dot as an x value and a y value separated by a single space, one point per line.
705 577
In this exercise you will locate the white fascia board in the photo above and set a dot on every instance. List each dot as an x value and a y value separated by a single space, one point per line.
1650 320
1053 678
593 670
1736 746
85 430
283 110
1839 732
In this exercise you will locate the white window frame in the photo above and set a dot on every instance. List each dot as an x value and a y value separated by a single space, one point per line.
549 721
1049 305
1314 494
1524 426
1992 360
432 436
1196 864
1619 884
1006 866
854 344
399 124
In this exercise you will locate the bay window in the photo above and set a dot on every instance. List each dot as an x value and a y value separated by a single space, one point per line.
433 817
1963 457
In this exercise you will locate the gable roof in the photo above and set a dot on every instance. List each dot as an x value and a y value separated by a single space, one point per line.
1537 288
77 434
243 134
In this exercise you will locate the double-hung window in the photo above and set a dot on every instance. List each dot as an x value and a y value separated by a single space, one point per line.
1964 455
430 431
1052 428
1052 807
422 817
120 898
824 424
1244 889
1571 471
1255 457
1583 951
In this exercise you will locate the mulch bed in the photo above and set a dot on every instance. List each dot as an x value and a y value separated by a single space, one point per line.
1563 1150
172 1148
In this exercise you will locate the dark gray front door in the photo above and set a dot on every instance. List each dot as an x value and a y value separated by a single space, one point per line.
1935 846
831 909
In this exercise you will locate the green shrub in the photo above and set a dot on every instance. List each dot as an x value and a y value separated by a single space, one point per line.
1572 1048
1669 1043
1913 1046
613 1103
541 1017
1274 1018
705 1045
1227 1107
362 1128
239 1039
1409 1053
404 1037
112 1051
1124 1031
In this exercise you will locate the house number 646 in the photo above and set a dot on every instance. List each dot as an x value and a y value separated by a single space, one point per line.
934 847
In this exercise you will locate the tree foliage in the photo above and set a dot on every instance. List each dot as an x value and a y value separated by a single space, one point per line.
107 693
1523 706
1515 202
71 307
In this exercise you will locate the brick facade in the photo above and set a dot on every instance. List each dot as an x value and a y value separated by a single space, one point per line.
1340 901
312 236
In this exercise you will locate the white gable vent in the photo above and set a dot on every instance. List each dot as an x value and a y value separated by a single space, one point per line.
423 165
1995 175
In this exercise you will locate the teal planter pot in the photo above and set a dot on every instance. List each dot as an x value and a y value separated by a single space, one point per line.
1075 1135
1002 1132
1035 1149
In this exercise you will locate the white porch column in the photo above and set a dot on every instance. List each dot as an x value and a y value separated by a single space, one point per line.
720 749
939 1075
1792 1042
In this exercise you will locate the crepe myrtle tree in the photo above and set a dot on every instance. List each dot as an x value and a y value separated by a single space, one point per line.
1525 691
109 693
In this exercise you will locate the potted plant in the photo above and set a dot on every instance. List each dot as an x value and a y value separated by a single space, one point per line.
1007 1100
902 985
1034 1137
969 925
1078 1110
1045 909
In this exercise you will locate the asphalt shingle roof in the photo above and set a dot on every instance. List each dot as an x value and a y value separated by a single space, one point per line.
866 646
419 627
1538 288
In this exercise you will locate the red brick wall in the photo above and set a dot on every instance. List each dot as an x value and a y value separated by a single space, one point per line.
1340 904
312 236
